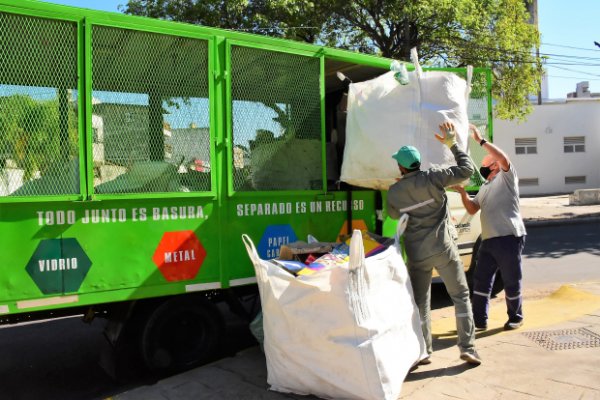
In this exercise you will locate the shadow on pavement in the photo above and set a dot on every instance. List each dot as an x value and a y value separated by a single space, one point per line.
560 241
439 296
448 339
435 373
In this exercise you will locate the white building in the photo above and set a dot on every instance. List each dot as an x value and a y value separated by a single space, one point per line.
557 150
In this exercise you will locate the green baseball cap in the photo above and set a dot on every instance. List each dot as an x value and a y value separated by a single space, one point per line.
408 157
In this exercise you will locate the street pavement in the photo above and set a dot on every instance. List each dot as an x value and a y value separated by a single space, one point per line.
555 355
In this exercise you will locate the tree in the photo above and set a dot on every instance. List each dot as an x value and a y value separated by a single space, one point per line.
32 136
290 19
229 14
451 33
447 33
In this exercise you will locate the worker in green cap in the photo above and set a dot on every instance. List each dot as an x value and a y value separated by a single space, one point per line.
430 237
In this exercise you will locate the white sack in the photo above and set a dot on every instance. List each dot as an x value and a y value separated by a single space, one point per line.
384 116
349 332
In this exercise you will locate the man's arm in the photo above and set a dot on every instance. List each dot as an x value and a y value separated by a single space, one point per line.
495 151
464 166
392 211
469 204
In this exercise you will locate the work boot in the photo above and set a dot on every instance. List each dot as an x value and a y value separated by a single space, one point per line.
510 326
471 357
425 361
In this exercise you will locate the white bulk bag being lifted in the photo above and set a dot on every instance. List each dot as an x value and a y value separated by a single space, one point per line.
349 332
384 115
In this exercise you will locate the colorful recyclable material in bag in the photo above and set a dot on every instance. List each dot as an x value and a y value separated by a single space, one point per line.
337 256
292 266
372 246
329 260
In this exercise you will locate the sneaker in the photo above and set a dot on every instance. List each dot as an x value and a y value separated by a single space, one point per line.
471 357
425 361
479 328
509 326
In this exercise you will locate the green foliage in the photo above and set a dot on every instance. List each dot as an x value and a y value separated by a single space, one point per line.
447 33
453 33
229 14
32 135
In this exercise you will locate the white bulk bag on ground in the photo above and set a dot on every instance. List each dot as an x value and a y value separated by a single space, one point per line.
384 115
349 332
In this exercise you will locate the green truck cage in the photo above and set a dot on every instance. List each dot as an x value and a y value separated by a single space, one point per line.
135 152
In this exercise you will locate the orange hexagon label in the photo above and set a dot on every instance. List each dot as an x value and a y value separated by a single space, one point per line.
179 255
356 224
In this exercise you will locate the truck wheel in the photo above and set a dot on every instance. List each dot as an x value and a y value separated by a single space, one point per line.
180 333
498 285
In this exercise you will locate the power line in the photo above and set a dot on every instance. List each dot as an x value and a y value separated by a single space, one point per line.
575 64
461 42
559 57
572 77
278 28
570 47
551 58
569 56
565 58
274 28
574 70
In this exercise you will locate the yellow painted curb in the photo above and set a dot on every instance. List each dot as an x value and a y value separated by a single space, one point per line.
566 304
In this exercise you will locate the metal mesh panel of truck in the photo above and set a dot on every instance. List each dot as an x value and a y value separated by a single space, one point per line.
150 105
276 120
478 112
39 138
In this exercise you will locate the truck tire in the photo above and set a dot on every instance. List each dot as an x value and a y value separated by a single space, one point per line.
498 285
180 333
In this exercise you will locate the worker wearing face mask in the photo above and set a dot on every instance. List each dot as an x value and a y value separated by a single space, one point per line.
502 233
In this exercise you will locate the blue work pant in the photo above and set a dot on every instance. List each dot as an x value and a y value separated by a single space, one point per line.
504 254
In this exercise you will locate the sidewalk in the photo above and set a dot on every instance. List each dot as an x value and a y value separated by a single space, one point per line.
546 359
542 360
556 209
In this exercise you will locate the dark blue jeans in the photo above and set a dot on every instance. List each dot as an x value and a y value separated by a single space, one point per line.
504 254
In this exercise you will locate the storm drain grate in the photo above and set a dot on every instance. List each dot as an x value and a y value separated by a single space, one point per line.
565 339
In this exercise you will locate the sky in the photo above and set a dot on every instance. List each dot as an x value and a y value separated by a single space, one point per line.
568 35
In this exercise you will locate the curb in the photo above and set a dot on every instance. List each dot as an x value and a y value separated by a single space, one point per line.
563 221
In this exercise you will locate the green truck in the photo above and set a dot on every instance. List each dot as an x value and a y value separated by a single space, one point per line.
135 152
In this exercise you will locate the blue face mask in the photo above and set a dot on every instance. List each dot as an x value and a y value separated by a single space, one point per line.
485 172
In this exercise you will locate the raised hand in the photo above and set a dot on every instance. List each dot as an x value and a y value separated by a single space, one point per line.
448 136
476 134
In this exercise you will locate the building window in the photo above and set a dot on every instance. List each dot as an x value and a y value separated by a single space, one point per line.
526 145
574 144
529 182
569 180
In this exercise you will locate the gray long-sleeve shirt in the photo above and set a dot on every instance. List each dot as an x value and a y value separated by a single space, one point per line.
429 231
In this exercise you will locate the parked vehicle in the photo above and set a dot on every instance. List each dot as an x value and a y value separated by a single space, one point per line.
135 152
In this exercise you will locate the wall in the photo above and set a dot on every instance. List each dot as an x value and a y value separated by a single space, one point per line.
550 123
